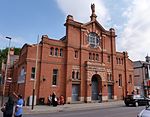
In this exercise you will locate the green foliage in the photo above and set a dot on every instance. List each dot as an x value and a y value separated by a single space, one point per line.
3 54
17 51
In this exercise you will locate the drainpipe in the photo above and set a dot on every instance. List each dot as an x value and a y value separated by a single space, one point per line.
143 77
125 72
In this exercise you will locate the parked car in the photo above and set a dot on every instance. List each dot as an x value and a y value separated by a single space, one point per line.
145 112
136 100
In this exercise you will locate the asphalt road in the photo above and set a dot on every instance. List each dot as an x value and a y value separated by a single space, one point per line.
107 112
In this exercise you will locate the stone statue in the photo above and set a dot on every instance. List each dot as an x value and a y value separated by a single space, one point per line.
93 8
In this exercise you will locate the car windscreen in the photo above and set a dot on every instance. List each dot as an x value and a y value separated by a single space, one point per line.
148 108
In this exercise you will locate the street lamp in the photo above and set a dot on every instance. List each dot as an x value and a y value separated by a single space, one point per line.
35 77
3 94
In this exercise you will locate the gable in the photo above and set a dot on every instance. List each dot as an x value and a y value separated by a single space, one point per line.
96 23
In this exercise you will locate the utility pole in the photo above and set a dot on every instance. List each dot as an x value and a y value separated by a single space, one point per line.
36 65
6 69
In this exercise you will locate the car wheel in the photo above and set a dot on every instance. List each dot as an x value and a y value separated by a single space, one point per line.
136 104
127 104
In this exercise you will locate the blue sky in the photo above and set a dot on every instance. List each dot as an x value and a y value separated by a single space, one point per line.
24 20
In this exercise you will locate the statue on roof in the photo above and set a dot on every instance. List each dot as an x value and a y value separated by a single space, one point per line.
93 16
93 8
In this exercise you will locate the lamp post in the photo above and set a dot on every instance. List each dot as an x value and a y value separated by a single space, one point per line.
3 94
35 77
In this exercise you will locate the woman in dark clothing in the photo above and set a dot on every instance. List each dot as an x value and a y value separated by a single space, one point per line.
54 99
9 108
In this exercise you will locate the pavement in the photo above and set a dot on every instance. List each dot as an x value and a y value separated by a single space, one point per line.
70 107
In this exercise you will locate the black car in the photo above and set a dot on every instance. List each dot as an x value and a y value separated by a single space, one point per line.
136 100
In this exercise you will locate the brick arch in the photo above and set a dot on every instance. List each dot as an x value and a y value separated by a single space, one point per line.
96 76
87 32
96 86
100 74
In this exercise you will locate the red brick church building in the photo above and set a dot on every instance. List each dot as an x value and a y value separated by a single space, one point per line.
82 66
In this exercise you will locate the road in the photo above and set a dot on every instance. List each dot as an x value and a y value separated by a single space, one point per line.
106 112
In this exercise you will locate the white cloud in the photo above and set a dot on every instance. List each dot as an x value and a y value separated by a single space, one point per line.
81 10
136 31
135 37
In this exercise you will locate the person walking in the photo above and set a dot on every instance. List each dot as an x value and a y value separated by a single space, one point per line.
19 105
9 105
54 99
50 100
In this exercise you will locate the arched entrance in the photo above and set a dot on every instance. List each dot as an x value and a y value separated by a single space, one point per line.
96 84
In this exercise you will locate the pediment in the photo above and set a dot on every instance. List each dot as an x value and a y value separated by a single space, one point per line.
96 23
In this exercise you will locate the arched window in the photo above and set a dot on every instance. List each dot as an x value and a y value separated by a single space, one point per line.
93 56
73 75
76 54
56 52
61 52
119 61
110 77
90 56
93 39
97 57
77 75
51 51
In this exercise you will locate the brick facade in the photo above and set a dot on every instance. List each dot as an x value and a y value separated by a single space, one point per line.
85 72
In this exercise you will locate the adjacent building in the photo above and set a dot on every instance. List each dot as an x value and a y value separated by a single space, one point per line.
11 59
83 66
142 77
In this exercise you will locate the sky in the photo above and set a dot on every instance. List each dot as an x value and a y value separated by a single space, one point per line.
24 20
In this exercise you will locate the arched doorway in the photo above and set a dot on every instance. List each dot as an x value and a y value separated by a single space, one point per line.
96 87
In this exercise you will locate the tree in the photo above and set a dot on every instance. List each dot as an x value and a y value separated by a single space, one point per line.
3 55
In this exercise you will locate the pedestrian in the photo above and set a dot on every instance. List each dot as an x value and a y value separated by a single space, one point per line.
54 99
100 97
9 105
62 100
19 105
50 99
133 92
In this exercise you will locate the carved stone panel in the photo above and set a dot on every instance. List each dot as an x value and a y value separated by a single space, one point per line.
95 68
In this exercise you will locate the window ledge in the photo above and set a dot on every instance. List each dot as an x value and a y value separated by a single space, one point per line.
31 79
76 80
54 85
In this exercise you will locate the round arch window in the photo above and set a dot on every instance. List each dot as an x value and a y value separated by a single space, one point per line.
93 39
